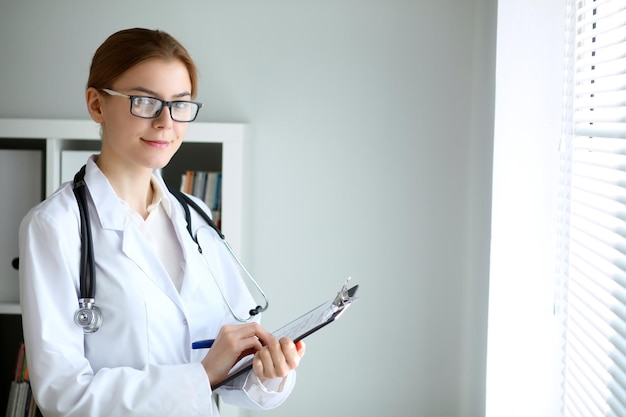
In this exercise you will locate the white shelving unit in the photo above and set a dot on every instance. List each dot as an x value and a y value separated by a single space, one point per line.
48 140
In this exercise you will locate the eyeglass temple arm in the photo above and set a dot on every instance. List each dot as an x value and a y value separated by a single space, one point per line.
115 93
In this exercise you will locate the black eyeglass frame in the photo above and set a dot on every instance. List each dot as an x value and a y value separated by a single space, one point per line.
164 103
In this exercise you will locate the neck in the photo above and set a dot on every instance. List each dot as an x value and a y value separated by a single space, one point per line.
132 186
138 198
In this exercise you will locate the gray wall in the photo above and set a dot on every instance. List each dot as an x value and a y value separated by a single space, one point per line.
369 155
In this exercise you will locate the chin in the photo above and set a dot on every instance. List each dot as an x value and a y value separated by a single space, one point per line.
157 163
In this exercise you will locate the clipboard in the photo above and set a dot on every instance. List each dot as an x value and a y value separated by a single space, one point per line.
303 326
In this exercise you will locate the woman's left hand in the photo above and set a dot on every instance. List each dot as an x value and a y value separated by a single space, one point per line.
277 357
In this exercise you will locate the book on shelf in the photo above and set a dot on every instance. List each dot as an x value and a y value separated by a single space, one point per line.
207 186
21 400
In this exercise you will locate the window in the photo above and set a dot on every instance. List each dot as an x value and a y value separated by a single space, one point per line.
557 296
592 295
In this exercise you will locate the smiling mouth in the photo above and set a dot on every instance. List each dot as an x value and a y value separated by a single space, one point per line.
156 142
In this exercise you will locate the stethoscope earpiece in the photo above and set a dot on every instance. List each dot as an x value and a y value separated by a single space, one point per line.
256 310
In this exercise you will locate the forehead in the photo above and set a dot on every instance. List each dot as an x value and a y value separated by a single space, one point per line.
166 77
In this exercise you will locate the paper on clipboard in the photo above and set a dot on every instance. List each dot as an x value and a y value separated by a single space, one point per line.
304 325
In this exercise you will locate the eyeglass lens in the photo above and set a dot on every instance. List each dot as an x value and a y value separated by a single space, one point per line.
150 107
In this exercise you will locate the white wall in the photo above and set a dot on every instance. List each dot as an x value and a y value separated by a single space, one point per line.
369 155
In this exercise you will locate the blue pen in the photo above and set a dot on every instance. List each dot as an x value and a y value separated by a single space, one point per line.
203 344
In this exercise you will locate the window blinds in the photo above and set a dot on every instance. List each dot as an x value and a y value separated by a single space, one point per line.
594 175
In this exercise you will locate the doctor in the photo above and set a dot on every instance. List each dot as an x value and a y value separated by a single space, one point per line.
155 291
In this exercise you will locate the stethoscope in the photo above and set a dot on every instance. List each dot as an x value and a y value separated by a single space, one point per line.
89 316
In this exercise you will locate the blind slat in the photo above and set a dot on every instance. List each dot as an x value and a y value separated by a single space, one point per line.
589 74
607 83
611 115
608 145
605 130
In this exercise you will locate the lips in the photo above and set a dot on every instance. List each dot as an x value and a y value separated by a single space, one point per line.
157 143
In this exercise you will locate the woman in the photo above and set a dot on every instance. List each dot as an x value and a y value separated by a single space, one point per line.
154 289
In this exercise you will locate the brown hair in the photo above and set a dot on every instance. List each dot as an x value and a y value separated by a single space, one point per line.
127 48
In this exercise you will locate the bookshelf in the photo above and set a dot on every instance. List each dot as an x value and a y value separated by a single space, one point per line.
37 155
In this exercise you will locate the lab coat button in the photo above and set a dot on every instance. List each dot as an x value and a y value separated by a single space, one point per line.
185 322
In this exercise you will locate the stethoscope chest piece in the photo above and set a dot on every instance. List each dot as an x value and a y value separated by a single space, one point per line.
88 316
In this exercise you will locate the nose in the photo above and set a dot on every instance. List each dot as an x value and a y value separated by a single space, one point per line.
164 119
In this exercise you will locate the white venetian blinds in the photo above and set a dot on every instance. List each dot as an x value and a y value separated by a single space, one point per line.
595 177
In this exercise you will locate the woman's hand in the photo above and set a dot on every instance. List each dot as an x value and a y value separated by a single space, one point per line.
277 358
273 357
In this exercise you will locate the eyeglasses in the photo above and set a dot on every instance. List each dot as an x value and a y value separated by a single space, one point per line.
151 107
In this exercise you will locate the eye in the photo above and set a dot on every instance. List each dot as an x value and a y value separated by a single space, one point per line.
181 105
144 101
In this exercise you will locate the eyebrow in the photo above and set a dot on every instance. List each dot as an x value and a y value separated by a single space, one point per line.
154 93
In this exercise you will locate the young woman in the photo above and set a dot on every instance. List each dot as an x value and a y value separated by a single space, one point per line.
155 291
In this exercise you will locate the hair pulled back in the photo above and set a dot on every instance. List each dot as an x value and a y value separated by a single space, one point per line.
124 49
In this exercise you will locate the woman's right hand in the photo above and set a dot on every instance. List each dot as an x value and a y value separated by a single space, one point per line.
233 342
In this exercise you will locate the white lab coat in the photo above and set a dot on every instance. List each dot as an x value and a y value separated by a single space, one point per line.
140 362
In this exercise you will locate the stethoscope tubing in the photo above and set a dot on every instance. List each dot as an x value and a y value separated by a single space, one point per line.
87 267
88 315
186 201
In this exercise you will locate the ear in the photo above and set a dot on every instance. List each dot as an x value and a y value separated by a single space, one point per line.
94 104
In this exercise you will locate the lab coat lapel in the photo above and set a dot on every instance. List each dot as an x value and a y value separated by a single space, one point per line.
134 245
190 251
